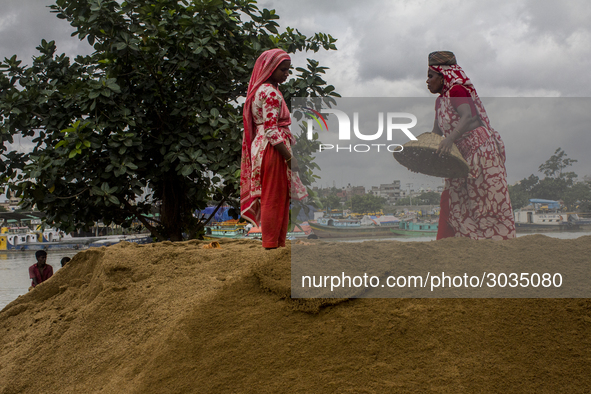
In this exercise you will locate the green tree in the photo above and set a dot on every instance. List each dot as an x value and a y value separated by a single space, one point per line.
429 198
425 198
151 118
528 184
521 192
404 201
519 197
556 185
367 203
555 164
578 197
331 201
557 182
551 188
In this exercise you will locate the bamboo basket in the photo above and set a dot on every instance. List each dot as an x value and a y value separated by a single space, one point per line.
420 156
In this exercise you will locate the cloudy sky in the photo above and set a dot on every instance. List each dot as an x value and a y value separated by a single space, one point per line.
531 49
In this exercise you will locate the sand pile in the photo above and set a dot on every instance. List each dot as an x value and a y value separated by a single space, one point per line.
177 318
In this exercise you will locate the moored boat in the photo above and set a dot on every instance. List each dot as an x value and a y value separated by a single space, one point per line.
300 231
416 229
348 228
23 238
227 229
545 215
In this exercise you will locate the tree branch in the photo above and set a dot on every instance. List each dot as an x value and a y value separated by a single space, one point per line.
143 220
214 211
75 195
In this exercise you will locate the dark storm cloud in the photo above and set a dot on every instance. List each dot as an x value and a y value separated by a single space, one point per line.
508 48
514 48
24 24
560 18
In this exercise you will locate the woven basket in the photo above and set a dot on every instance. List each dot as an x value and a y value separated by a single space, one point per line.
420 156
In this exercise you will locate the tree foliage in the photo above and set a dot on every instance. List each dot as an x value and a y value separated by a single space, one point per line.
578 197
151 119
519 197
331 201
425 198
367 203
429 198
555 164
556 185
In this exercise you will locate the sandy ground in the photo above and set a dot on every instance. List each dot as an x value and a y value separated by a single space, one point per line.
177 318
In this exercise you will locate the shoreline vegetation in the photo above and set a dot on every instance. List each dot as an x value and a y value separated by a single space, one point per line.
175 317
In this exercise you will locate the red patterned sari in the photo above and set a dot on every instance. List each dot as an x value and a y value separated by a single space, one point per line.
266 181
477 206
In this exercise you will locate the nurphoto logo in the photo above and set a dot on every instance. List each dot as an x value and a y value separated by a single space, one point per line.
394 123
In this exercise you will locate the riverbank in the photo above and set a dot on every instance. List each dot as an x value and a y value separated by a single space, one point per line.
174 317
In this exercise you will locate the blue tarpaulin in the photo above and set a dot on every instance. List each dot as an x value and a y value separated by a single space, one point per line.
220 216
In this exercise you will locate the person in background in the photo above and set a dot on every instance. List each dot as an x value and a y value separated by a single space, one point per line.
477 206
65 261
41 271
268 168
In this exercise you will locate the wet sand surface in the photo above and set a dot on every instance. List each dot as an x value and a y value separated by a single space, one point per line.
177 318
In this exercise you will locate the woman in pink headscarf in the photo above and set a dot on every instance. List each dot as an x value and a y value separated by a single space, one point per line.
477 206
268 168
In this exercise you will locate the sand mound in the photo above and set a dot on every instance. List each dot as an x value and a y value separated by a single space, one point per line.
177 318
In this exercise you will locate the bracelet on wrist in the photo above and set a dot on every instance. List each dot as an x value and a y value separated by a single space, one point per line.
288 159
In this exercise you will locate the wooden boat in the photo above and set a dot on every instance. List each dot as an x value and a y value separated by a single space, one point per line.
228 229
348 228
301 231
22 239
545 215
416 229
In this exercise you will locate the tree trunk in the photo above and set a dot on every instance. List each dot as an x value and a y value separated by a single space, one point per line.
173 207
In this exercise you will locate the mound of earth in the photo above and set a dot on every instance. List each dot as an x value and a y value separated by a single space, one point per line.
178 318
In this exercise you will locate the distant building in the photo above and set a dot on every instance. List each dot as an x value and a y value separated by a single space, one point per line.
351 191
12 203
390 191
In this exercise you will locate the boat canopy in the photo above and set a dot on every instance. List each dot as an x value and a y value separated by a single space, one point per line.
550 203
387 219
367 221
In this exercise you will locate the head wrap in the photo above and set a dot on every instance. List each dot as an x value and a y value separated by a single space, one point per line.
442 58
264 67
444 63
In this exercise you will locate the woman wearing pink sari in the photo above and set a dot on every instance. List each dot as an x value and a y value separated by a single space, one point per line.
477 206
268 168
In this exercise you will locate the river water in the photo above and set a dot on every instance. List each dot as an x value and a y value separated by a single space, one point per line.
424 238
14 265
14 271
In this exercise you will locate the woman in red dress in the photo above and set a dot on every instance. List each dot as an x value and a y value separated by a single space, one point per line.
477 206
268 168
